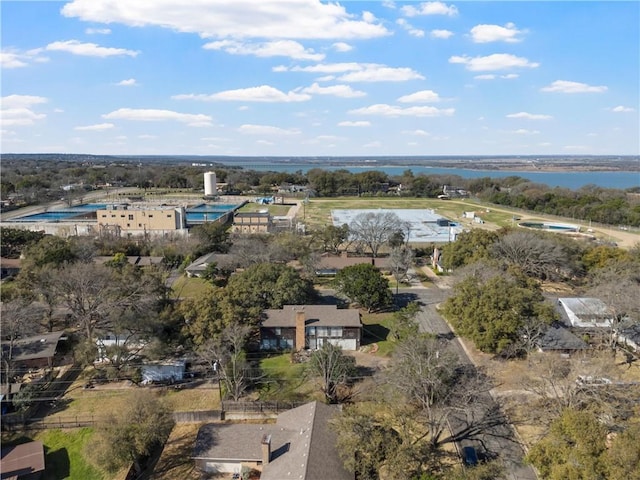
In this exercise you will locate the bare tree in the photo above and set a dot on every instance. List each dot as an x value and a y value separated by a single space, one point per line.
374 229
225 355
334 369
96 294
430 376
618 286
537 256
400 261
19 318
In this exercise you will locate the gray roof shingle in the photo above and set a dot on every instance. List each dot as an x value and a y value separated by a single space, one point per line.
315 315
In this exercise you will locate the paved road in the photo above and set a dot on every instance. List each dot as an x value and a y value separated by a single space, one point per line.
495 441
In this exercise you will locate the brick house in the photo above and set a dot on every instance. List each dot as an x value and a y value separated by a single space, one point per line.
296 327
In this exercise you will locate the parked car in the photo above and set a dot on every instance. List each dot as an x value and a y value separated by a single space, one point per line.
469 456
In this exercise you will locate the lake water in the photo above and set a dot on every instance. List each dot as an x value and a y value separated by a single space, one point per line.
571 180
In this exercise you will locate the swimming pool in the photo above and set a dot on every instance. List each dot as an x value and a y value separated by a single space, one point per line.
558 227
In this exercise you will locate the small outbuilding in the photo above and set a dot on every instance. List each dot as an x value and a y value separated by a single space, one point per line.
585 312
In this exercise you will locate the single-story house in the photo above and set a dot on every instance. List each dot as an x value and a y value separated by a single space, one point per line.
22 462
330 265
296 327
34 352
585 312
560 340
300 445
199 266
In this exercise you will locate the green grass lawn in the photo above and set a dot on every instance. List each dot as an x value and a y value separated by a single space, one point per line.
272 209
65 454
376 330
284 380
185 287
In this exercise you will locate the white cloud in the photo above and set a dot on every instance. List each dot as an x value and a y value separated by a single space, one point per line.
157 115
423 96
524 131
16 110
414 32
278 48
394 111
266 130
495 33
326 78
272 19
342 47
97 31
21 101
147 137
621 108
19 117
368 17
362 123
430 8
12 60
96 128
131 82
88 49
565 86
265 142
359 72
344 91
374 144
491 76
496 61
529 116
441 34
418 132
381 73
263 93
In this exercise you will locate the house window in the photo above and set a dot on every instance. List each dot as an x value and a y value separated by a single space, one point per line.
335 332
113 215
169 216
139 225
278 331
122 215
311 331
269 343
286 343
104 215
323 331
128 224
150 215
130 217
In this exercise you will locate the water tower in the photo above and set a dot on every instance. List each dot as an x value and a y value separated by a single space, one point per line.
210 189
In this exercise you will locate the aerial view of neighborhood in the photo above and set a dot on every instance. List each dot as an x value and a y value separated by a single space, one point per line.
311 240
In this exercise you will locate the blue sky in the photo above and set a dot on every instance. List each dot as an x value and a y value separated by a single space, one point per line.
304 77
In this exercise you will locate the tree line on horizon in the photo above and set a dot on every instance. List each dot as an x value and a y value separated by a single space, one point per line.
32 180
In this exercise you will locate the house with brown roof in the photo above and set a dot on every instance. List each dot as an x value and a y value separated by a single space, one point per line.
300 445
22 462
298 327
33 352
330 265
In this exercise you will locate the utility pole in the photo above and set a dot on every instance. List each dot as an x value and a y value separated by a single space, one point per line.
216 370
